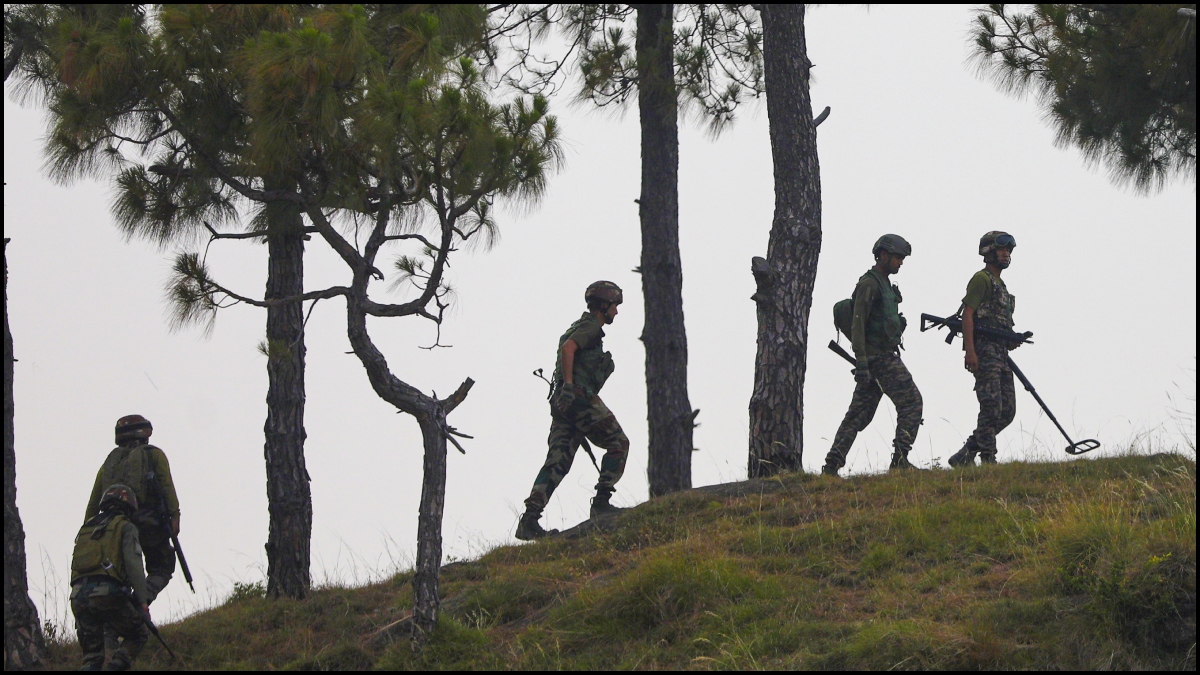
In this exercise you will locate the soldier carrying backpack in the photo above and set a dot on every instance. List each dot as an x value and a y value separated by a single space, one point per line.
106 566
874 324
144 468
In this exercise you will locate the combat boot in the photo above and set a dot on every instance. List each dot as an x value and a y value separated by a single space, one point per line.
601 507
830 470
900 462
964 457
529 528
987 459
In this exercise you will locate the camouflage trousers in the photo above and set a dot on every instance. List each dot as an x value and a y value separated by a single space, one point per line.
160 564
997 398
100 605
595 422
888 376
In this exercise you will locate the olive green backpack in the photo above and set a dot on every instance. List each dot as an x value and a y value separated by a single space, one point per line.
843 315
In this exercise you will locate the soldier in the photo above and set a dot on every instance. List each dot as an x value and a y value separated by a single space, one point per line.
875 333
988 303
143 467
106 567
577 411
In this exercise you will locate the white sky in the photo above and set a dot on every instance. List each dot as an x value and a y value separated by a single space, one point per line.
916 145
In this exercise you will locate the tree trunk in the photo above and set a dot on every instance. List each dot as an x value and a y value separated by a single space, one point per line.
429 525
785 278
288 498
23 646
431 416
668 410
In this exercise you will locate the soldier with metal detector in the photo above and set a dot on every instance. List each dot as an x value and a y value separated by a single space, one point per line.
578 414
144 468
986 320
988 304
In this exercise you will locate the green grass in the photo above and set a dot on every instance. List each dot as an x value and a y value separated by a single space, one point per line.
1078 565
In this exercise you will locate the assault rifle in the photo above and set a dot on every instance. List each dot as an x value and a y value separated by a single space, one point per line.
160 501
128 592
954 324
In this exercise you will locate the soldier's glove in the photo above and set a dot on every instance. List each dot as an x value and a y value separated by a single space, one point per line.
862 375
565 398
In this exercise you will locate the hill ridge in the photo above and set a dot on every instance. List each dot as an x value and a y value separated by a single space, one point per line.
1079 564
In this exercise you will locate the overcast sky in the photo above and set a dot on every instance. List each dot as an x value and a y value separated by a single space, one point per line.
916 145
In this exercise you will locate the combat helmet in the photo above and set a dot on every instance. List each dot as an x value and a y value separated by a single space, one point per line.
604 291
119 497
994 240
892 243
132 428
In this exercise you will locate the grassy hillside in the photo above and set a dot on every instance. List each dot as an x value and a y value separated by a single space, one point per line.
1086 564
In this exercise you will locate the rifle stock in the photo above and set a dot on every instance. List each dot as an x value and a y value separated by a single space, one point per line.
837 349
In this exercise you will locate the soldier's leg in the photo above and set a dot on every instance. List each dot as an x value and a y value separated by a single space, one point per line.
126 622
895 381
89 628
862 410
563 442
600 426
160 565
1006 400
989 390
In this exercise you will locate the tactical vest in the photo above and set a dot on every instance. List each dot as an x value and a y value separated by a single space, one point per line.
593 365
98 548
997 310
885 326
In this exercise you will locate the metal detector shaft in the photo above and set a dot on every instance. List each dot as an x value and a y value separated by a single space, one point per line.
1074 448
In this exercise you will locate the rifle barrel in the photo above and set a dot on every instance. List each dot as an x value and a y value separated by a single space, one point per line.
187 573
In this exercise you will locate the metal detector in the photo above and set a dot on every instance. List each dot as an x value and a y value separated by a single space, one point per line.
1072 449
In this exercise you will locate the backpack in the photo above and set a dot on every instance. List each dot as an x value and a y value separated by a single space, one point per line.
843 315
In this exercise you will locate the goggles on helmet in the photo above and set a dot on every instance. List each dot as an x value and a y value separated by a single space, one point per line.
1006 241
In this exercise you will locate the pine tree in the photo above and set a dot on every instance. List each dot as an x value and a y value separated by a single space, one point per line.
385 133
1116 81
785 278
154 99
24 645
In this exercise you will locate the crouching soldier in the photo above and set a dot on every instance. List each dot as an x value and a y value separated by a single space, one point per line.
106 579
876 328
577 412
144 468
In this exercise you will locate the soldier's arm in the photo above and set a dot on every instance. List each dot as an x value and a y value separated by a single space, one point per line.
864 299
131 549
162 469
971 360
93 505
568 361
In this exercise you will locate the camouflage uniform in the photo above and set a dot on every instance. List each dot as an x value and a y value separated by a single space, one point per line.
586 416
994 387
888 376
876 333
104 570
131 464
